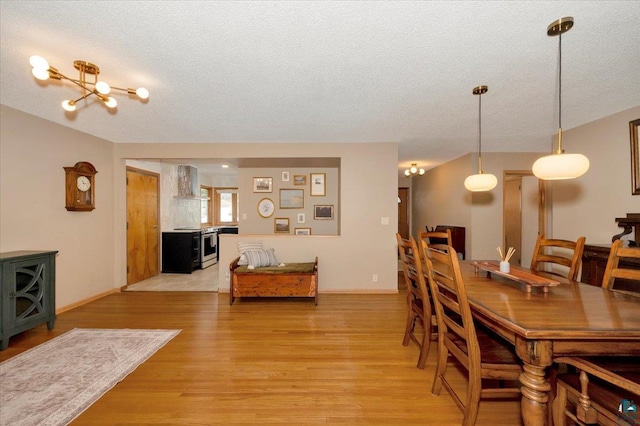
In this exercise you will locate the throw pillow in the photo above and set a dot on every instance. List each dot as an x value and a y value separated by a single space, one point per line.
243 246
259 258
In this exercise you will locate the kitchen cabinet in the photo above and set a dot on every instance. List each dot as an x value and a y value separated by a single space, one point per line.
27 292
180 252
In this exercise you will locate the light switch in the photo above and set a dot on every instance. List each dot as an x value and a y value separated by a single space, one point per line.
384 220
244 216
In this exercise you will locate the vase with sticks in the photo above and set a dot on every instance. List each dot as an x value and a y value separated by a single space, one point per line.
505 266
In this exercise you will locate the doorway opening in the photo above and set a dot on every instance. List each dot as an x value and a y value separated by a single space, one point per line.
525 213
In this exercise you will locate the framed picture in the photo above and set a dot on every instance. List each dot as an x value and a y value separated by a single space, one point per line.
301 218
266 207
262 184
302 231
292 198
299 179
318 187
323 211
281 225
285 176
635 157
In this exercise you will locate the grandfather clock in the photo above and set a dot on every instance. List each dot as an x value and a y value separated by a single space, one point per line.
80 187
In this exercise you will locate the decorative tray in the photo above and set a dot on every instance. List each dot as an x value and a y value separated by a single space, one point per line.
525 277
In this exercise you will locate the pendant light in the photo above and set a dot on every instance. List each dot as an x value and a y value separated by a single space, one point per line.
559 165
481 181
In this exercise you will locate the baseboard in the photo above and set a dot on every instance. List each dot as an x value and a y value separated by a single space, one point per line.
87 300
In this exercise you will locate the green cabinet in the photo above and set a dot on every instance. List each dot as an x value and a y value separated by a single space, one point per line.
27 292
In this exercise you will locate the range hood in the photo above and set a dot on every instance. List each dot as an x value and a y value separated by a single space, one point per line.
188 187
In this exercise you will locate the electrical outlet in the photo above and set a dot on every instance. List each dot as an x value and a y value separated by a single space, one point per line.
226 276
375 278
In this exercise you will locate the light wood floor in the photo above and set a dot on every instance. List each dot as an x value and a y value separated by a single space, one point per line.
267 361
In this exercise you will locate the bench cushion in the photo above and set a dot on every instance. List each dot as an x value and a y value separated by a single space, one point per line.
289 268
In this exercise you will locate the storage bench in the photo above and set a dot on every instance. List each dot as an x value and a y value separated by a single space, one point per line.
291 280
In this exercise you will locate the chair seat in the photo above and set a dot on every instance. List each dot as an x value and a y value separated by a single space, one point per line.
603 393
493 349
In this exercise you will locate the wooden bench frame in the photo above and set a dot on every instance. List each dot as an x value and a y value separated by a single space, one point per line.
254 283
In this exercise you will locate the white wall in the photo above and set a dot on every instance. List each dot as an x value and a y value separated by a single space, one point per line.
367 194
33 153
589 205
440 198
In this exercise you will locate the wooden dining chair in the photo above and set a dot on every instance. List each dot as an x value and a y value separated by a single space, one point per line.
483 354
597 390
438 240
418 303
563 253
614 271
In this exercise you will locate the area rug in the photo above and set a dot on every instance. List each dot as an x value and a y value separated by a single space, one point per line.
54 382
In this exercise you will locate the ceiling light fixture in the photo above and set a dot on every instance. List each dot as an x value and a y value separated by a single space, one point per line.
414 170
559 165
43 71
480 181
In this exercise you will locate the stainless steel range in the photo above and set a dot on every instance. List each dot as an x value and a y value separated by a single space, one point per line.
208 247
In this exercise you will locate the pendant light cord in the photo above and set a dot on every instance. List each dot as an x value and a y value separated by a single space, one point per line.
480 134
560 81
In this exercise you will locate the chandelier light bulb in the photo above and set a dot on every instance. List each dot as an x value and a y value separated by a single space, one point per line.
69 105
111 102
142 93
407 173
40 73
414 169
421 172
103 88
39 62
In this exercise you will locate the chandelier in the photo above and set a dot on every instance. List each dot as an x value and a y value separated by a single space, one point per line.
414 170
43 71
559 165
480 181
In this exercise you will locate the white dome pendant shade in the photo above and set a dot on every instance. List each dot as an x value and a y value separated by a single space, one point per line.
560 166
481 181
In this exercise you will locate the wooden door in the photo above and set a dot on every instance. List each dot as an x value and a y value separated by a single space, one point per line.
142 225
403 212
513 216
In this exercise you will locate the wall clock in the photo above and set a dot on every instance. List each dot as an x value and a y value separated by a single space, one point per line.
80 188
266 207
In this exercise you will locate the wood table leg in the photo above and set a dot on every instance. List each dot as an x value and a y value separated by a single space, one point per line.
535 395
536 357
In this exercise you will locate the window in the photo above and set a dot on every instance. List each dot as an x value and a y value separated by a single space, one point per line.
206 205
226 206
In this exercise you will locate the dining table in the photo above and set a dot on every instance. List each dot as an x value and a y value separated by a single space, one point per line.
567 318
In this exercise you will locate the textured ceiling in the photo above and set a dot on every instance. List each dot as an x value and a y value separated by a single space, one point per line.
328 71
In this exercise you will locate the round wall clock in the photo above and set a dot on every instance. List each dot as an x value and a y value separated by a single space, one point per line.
266 207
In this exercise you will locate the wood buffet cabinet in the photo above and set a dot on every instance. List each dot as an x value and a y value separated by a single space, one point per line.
27 292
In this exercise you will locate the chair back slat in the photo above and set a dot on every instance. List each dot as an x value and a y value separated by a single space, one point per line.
437 240
564 253
614 271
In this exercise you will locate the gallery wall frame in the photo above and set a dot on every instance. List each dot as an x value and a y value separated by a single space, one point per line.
262 184
291 198
635 156
281 225
318 184
302 231
323 212
299 179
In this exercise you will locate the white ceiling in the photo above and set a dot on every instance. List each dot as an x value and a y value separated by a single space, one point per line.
304 72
